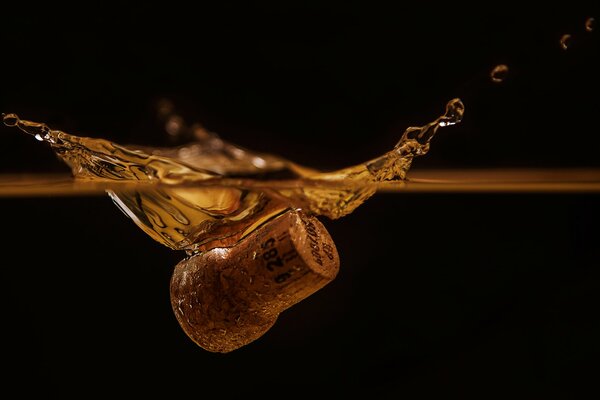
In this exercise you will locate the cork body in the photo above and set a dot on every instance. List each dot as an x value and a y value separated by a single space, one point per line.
226 298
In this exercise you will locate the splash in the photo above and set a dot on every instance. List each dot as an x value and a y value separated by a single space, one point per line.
174 210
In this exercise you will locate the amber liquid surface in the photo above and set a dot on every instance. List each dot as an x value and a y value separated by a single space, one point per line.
209 193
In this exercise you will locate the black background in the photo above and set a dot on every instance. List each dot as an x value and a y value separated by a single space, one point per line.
452 294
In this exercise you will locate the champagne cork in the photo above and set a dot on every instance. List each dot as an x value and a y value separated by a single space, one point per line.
226 298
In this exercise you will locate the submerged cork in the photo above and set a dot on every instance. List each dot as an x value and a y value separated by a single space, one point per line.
226 298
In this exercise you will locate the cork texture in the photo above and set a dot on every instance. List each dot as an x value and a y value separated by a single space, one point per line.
226 298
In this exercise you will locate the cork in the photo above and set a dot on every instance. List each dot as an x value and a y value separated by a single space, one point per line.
226 298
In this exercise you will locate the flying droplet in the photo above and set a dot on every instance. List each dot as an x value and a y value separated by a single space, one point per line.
499 73
165 108
40 131
10 119
174 125
589 24
565 41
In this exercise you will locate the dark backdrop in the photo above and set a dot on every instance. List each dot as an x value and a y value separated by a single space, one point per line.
446 293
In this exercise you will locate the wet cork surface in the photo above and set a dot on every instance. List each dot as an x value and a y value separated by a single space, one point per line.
227 298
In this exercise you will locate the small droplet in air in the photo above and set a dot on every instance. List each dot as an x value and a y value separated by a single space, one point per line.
565 41
174 125
10 119
589 24
499 73
164 107
200 132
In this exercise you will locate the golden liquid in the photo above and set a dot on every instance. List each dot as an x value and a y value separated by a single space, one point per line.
210 193
186 216
504 180
205 194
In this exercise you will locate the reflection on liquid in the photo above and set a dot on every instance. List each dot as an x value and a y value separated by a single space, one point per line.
490 180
